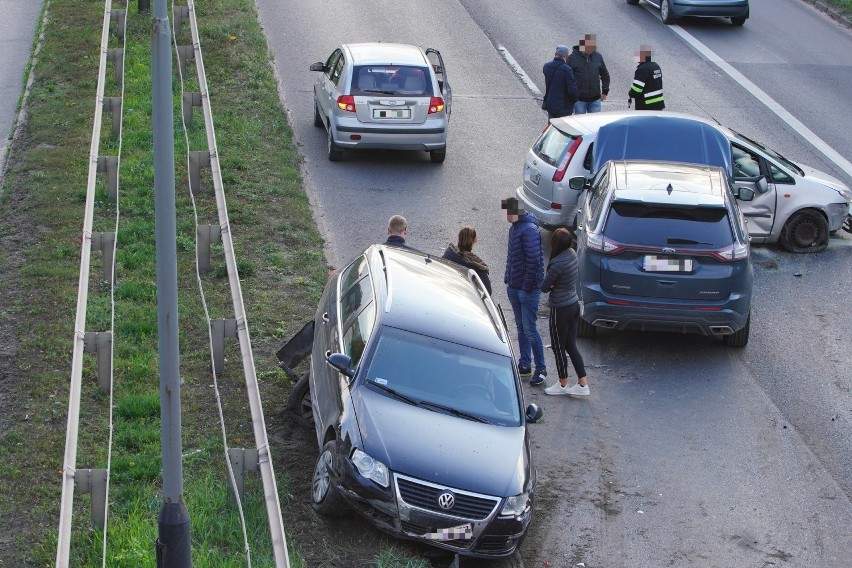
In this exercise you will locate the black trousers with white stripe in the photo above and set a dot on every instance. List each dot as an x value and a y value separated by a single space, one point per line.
563 339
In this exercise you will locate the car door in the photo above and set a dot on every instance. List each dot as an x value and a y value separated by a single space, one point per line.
760 212
437 63
326 335
325 88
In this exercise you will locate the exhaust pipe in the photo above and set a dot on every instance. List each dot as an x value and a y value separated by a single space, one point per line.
721 330
608 324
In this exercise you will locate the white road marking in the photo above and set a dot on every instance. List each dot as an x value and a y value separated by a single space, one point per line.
764 98
517 68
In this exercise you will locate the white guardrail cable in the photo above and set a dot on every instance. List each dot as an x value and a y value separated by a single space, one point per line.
69 468
273 507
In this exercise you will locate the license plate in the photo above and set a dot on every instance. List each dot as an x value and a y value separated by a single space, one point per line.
532 175
653 263
461 532
380 113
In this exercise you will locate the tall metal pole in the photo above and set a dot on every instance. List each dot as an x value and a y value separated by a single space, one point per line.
173 543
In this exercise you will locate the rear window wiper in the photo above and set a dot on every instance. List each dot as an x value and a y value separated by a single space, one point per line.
378 91
453 411
393 392
681 241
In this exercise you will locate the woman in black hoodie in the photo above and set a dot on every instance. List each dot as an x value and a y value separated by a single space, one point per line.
463 254
561 281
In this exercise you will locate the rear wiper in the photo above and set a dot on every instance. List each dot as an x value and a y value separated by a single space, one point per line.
680 241
453 411
379 91
394 392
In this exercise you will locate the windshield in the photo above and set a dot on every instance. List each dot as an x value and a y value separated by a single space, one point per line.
402 80
444 377
771 153
659 226
552 145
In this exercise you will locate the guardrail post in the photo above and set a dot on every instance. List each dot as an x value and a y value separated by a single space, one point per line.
100 343
117 17
105 242
191 99
219 330
94 481
109 164
242 460
113 105
115 55
206 234
197 159
185 53
179 14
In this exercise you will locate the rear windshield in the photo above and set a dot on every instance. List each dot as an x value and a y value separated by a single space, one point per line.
552 145
391 80
654 225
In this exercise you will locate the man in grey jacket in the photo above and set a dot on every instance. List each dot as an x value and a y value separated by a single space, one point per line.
591 75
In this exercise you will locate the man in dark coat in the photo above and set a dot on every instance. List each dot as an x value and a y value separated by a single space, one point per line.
523 277
560 88
397 232
647 87
591 75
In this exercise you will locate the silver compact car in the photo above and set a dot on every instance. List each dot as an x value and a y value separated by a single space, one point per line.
794 205
386 96
670 10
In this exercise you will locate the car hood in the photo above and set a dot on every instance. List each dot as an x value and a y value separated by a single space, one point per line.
826 180
443 449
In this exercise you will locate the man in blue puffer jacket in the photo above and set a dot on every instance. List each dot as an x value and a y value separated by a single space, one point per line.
523 278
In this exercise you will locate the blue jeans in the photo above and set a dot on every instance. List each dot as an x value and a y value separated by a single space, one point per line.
582 107
525 308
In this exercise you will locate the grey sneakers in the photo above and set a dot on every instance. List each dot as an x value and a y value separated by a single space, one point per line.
574 390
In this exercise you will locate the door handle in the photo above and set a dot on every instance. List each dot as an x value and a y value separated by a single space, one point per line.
325 317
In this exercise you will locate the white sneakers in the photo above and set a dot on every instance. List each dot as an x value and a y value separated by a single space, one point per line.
575 390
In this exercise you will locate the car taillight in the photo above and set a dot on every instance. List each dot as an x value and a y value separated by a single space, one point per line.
436 105
602 244
736 251
346 102
563 166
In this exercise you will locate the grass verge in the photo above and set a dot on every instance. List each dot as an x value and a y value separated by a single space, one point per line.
282 273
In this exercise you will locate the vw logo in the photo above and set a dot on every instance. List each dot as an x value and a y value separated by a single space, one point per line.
446 500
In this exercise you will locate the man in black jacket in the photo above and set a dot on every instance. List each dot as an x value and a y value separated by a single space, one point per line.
591 75
647 87
560 91
398 232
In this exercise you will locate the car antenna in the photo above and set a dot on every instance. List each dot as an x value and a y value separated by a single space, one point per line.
714 119
669 189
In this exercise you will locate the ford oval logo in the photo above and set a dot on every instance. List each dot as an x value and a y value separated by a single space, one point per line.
669 250
446 500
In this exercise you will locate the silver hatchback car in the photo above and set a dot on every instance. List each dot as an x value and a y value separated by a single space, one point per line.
386 96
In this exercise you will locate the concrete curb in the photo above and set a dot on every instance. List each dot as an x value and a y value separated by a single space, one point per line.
835 13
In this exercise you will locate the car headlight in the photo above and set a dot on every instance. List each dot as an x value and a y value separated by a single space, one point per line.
516 505
370 468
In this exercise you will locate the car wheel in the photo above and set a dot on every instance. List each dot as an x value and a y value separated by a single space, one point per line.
739 338
585 329
299 402
847 224
317 116
806 231
738 21
632 2
666 12
335 154
438 156
324 496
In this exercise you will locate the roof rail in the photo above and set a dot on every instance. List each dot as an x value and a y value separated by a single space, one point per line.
385 269
489 304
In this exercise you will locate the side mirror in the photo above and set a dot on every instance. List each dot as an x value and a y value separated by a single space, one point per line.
318 66
578 183
745 194
342 363
534 412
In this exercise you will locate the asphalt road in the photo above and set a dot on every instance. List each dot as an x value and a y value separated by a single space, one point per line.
687 453
17 26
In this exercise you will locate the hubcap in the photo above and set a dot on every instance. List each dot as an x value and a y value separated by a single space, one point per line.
321 480
664 9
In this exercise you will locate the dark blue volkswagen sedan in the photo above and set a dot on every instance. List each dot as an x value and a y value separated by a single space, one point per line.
670 10
417 405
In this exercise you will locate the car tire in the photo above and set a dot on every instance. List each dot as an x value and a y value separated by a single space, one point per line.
585 329
317 116
335 154
438 156
666 12
299 402
738 21
632 2
739 338
806 231
325 498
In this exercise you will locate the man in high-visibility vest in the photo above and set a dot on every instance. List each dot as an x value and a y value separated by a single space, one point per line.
647 87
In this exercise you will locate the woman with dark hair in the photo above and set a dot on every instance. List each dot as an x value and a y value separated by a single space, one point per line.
561 281
463 254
